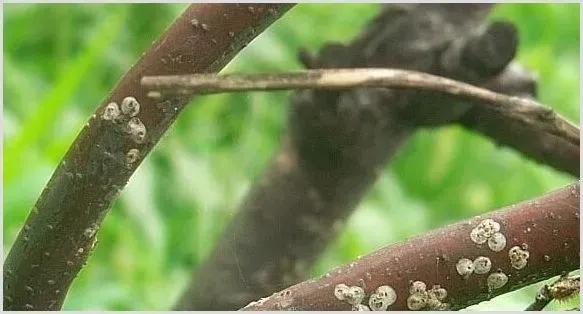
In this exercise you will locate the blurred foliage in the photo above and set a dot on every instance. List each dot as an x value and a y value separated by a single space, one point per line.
60 61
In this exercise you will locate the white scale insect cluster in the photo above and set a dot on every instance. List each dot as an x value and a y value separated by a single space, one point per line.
384 297
482 265
497 242
132 156
352 295
422 299
137 130
496 280
465 267
489 231
380 300
111 111
518 257
130 108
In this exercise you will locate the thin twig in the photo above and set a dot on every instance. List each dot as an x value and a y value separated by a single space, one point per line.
541 300
564 288
525 110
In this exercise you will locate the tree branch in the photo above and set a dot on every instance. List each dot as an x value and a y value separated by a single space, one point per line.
532 142
563 289
59 234
536 240
515 109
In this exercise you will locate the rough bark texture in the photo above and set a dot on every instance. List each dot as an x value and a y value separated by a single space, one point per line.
59 234
337 144
547 227
533 143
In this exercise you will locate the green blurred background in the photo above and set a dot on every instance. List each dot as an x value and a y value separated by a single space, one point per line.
60 61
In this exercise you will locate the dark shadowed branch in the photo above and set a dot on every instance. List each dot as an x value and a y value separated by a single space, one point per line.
60 231
473 261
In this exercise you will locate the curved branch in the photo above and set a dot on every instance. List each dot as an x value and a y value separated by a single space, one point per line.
547 228
59 234
532 142
517 109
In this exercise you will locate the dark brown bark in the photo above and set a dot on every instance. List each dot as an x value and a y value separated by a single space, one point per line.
542 147
547 227
337 144
59 234
533 143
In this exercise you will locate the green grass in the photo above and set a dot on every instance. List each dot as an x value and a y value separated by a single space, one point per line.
61 60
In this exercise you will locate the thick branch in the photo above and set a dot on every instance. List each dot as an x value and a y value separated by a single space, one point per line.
546 227
59 233
515 109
